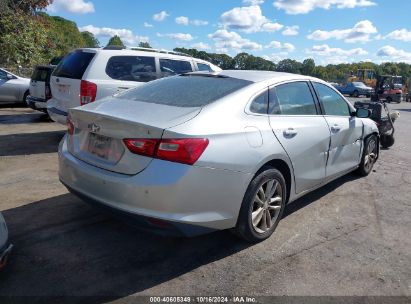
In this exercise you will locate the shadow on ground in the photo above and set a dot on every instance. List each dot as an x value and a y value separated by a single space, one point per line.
30 143
64 247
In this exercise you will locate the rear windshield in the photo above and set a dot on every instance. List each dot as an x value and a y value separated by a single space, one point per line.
73 65
185 90
41 74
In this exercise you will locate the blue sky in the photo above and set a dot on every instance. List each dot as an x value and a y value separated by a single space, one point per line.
330 31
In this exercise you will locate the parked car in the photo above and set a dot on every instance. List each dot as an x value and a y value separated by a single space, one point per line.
85 75
207 151
40 87
13 88
5 246
355 89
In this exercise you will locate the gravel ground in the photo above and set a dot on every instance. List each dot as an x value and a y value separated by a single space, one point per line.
349 238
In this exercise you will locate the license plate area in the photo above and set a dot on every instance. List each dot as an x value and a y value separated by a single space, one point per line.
99 145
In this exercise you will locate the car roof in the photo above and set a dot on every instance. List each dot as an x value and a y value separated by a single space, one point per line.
260 76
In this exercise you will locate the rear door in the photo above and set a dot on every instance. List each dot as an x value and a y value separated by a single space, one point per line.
301 130
346 131
66 79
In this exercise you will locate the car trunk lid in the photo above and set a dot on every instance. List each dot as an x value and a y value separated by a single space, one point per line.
101 127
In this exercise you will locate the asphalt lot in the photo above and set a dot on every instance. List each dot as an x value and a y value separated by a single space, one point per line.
350 238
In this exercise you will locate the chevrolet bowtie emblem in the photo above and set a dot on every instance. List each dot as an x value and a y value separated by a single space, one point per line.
93 128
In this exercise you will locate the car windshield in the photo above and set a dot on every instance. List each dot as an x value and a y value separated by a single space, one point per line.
186 90
359 84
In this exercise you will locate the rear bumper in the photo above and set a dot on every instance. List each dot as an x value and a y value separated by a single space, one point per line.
37 103
192 200
57 115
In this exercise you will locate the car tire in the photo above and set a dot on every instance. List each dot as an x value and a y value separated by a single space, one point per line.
26 94
355 94
369 155
262 206
389 99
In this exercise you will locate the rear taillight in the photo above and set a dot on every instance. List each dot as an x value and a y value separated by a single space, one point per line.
70 126
142 146
180 150
88 92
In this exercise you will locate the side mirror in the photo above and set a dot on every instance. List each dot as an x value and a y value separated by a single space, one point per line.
363 113
9 76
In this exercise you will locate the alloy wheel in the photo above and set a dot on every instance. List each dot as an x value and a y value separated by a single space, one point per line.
371 155
267 205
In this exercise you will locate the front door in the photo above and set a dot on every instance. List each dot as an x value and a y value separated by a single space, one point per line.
301 130
346 131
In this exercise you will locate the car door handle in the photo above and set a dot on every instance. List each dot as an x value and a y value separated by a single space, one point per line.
290 132
335 128
123 88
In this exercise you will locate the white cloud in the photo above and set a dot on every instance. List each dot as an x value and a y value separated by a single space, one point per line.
146 24
248 19
394 54
325 50
73 6
295 7
291 30
287 47
252 2
186 21
161 16
361 32
402 35
224 39
197 22
201 46
182 20
125 35
177 36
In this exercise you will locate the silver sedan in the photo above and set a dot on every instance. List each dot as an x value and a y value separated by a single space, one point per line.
13 88
200 152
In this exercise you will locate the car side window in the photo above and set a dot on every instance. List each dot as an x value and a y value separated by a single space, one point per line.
132 68
292 98
333 103
204 67
3 75
259 104
170 67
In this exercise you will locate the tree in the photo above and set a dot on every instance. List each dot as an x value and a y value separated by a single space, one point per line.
308 67
89 40
145 45
289 66
28 7
23 40
115 41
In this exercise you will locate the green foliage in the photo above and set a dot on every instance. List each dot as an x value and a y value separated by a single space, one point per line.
308 67
28 7
89 40
115 41
63 35
23 40
145 45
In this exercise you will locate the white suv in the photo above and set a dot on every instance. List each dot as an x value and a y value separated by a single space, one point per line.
85 75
